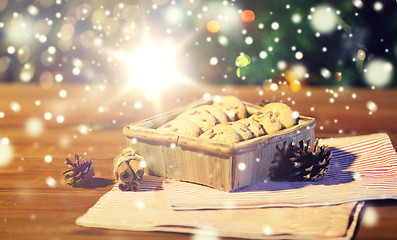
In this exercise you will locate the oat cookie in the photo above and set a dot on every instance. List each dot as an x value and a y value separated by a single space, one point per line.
230 113
232 104
244 132
253 126
268 121
181 127
219 115
201 118
221 133
282 112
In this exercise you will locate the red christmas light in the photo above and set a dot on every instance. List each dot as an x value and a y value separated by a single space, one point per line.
248 16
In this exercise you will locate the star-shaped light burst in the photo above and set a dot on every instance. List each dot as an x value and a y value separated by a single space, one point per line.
152 67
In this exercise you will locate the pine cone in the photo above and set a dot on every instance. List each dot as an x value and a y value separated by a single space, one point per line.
310 163
80 172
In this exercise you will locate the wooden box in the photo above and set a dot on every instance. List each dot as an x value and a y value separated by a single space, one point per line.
221 166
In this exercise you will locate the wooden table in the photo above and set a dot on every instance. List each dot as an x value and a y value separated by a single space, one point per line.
36 203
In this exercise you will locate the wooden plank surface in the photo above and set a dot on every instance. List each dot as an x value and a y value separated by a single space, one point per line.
35 202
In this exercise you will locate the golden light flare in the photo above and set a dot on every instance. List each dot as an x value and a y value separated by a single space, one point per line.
98 17
67 32
361 54
295 85
338 76
42 27
213 26
294 75
27 72
152 73
83 11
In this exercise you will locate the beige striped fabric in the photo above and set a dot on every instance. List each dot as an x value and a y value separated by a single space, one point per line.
363 170
327 209
149 210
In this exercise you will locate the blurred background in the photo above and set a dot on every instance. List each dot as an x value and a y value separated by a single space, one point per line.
157 42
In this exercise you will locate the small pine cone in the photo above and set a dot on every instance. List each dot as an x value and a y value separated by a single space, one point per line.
310 163
80 172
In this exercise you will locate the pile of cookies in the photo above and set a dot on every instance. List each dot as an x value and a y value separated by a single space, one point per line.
227 121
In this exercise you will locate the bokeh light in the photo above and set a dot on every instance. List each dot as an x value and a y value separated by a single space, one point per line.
379 73
47 116
213 26
324 19
358 3
83 129
275 25
48 158
361 54
325 73
378 6
372 106
298 55
242 166
223 40
267 230
51 182
15 106
263 54
296 18
6 152
174 15
243 60
370 217
295 85
213 61
53 41
34 127
248 16
60 119
205 233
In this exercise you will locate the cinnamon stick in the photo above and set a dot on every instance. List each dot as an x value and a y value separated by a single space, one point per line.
136 168
134 185
124 186
125 172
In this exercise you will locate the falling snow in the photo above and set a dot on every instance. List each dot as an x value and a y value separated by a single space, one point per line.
370 217
48 158
205 233
51 182
34 127
6 152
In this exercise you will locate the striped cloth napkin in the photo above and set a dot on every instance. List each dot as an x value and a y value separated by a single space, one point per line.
149 210
362 168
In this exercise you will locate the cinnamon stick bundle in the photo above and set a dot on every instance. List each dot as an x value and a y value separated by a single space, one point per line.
127 170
